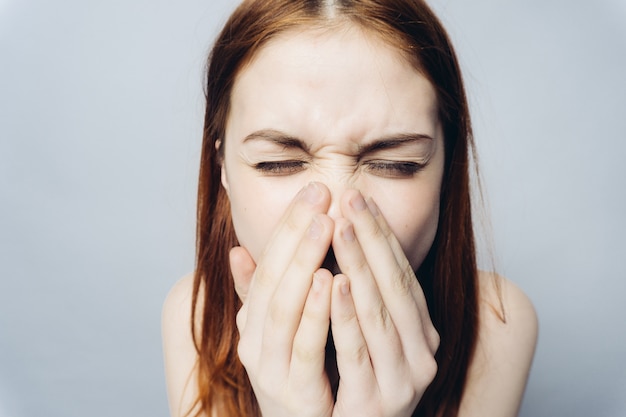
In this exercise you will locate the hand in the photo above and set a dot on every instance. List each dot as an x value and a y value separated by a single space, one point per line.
284 320
383 335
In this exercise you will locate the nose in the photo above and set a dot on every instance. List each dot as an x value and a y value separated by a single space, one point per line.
338 176
337 189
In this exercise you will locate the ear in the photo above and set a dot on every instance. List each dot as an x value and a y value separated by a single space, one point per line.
224 180
220 156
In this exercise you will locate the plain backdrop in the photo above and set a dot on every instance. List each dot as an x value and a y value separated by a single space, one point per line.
101 109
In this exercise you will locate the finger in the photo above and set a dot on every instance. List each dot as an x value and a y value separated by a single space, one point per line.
353 357
309 344
401 259
415 287
386 230
273 262
369 305
287 305
375 320
377 240
398 286
311 200
392 325
242 267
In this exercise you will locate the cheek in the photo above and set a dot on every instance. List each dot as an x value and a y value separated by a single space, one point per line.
414 224
256 211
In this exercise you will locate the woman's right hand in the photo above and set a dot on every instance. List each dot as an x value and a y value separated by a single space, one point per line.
283 323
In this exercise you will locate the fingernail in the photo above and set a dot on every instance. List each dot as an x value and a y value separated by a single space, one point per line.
358 203
316 228
312 193
348 233
345 288
373 207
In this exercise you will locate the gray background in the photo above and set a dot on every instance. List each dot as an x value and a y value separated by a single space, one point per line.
100 121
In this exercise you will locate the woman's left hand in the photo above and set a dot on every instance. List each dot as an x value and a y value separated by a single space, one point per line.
383 335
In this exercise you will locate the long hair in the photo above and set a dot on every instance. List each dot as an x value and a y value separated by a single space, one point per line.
448 274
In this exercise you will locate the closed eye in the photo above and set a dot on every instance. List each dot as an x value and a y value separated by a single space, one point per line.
280 167
393 169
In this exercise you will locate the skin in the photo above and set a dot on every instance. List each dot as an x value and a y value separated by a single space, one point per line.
333 142
344 113
336 92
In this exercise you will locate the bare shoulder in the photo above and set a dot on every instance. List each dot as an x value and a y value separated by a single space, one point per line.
506 345
179 296
176 314
506 311
179 352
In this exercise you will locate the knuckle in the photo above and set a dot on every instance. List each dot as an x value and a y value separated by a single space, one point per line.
278 313
311 314
427 371
358 355
358 267
385 230
301 261
266 382
404 394
434 338
304 353
431 369
375 230
240 319
292 223
379 316
347 317
401 280
244 352
262 276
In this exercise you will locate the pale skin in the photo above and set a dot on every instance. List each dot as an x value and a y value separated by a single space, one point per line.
333 141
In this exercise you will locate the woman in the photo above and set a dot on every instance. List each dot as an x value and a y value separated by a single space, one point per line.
336 271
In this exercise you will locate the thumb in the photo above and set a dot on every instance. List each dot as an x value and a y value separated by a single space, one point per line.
242 267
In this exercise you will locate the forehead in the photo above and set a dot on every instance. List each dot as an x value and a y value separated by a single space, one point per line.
331 83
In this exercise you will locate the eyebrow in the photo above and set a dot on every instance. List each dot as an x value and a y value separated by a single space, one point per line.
278 138
393 141
387 142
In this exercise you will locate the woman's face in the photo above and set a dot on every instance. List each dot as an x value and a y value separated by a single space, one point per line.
338 107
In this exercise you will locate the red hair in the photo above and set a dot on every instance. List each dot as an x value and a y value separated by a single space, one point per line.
448 275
